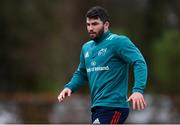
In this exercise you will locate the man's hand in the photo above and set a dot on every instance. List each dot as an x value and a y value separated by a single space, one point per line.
65 92
138 101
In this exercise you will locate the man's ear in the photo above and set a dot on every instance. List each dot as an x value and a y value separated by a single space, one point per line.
106 25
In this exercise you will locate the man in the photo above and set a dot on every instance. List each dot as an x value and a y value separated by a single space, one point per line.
104 63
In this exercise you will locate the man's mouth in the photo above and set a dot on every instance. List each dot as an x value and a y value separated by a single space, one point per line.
92 33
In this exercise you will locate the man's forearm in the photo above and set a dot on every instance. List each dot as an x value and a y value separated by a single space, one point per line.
140 76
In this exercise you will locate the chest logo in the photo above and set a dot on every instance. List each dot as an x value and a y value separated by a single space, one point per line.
102 52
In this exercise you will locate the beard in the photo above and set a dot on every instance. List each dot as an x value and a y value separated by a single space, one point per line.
96 35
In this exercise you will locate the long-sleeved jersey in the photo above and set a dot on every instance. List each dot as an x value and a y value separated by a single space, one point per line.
104 64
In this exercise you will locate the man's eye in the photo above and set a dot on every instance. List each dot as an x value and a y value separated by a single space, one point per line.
95 24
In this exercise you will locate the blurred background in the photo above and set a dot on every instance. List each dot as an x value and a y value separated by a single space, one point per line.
40 43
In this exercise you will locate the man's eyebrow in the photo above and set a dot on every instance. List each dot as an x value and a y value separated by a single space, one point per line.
95 22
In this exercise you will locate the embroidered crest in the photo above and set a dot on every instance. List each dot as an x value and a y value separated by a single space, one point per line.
102 52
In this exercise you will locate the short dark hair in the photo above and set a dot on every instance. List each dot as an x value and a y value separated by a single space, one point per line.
98 12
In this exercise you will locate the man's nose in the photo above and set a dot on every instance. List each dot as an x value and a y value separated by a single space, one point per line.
90 27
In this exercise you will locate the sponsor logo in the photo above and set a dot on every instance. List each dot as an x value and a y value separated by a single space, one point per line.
95 69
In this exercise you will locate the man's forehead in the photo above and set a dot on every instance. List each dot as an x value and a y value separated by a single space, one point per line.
90 20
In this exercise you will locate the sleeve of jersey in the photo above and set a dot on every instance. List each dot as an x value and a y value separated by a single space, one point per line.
79 76
130 53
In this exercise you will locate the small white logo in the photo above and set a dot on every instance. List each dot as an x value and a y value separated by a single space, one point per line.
102 52
86 55
93 63
96 121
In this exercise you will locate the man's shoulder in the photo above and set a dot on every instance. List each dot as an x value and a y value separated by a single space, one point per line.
116 36
116 39
88 43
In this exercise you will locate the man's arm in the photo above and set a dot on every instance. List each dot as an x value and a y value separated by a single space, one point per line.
130 53
140 78
78 80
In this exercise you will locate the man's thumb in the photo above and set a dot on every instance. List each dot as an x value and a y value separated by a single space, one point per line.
129 99
69 93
